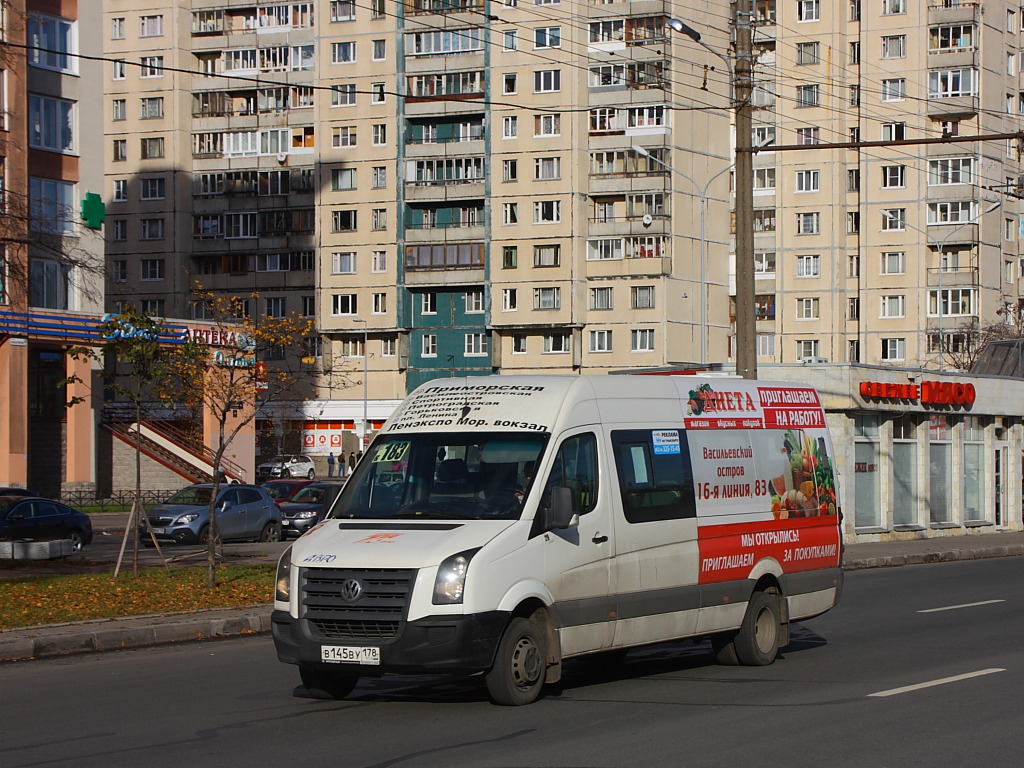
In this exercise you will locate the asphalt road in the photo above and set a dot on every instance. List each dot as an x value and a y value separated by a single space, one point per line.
918 666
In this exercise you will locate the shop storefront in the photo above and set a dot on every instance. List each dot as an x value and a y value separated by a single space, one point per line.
921 453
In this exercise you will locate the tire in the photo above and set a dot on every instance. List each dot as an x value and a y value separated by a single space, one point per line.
725 649
757 642
327 684
520 665
311 474
77 542
271 532
203 537
286 473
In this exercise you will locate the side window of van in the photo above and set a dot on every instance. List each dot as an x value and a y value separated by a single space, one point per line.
655 476
576 467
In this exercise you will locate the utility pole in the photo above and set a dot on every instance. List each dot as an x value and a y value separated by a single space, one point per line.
746 330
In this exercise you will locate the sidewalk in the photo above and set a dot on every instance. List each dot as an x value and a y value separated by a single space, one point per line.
139 631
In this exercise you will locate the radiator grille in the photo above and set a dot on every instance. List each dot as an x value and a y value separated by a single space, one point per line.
377 614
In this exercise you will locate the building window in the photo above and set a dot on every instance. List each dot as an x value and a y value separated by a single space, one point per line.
343 53
474 302
893 262
954 212
807 348
764 180
894 89
509 127
510 170
389 346
151 108
547 37
852 222
151 269
153 189
547 298
51 206
117 28
509 299
808 10
601 298
764 264
511 40
894 306
547 168
894 46
428 303
808 266
951 83
152 148
807 308
547 255
379 134
951 170
429 345
343 179
343 304
379 304
808 95
343 136
275 306
308 306
510 213
853 309
547 81
380 50
476 344
606 249
894 219
343 263
518 343
151 26
343 221
641 340
120 191
557 343
120 109
378 93
894 176
808 223
894 131
642 297
52 43
807 53
952 302
378 177
51 124
894 349
509 257
547 125
807 181
601 341
764 220
509 83
119 70
151 229
379 219
807 135
343 95
151 66
119 230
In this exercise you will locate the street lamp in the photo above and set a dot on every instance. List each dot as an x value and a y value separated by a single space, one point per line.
941 251
741 81
702 193
363 442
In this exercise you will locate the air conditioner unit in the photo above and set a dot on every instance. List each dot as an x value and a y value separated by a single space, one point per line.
812 360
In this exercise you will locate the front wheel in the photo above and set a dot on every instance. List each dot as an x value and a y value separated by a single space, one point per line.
520 665
311 474
77 542
327 684
271 532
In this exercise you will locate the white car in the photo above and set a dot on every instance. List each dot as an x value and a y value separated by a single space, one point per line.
286 466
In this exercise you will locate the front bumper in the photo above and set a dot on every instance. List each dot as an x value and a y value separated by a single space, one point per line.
295 527
174 535
452 644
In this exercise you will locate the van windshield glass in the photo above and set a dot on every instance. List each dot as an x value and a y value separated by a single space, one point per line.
443 476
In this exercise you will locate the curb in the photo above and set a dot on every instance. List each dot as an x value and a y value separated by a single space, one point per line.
921 558
134 632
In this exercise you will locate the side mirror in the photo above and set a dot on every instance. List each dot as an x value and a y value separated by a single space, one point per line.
223 505
561 514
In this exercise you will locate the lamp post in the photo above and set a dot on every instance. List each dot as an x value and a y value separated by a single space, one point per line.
741 80
702 193
363 442
941 251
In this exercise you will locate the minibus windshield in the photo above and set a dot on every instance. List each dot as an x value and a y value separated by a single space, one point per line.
443 476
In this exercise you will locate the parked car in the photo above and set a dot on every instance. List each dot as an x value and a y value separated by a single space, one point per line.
32 517
243 512
11 490
286 466
307 507
283 490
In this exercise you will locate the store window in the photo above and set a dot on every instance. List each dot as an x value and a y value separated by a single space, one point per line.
867 485
940 454
904 470
973 469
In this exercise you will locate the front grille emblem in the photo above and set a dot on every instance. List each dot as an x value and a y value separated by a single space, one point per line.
351 590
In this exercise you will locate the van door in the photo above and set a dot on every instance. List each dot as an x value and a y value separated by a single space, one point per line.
657 564
577 561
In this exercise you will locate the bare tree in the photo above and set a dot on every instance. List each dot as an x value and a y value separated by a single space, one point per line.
973 336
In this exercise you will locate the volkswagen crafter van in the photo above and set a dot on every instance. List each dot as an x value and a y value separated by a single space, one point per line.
502 524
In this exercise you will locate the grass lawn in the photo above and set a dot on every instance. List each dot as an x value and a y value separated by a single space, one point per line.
30 600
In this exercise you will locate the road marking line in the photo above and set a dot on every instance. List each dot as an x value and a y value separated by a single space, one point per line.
957 607
932 683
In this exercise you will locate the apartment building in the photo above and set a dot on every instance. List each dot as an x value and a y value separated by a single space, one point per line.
449 188
886 255
51 248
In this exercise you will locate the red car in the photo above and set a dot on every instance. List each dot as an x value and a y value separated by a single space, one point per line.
283 490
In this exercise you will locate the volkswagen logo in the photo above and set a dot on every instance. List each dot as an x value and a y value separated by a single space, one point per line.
351 590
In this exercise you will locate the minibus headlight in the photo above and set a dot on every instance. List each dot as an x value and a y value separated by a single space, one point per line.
283 582
451 578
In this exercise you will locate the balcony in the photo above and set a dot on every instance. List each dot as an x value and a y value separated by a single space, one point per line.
953 277
953 11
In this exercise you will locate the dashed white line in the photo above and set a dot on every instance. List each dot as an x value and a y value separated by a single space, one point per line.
933 683
957 607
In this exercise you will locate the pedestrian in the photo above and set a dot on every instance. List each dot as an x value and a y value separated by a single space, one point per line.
351 461
341 464
330 464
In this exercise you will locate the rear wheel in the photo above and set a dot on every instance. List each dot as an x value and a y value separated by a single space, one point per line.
757 642
327 684
203 536
271 532
520 664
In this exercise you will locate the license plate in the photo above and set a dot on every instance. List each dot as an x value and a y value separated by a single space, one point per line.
159 531
350 654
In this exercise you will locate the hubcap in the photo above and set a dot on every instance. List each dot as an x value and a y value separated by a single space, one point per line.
526 663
